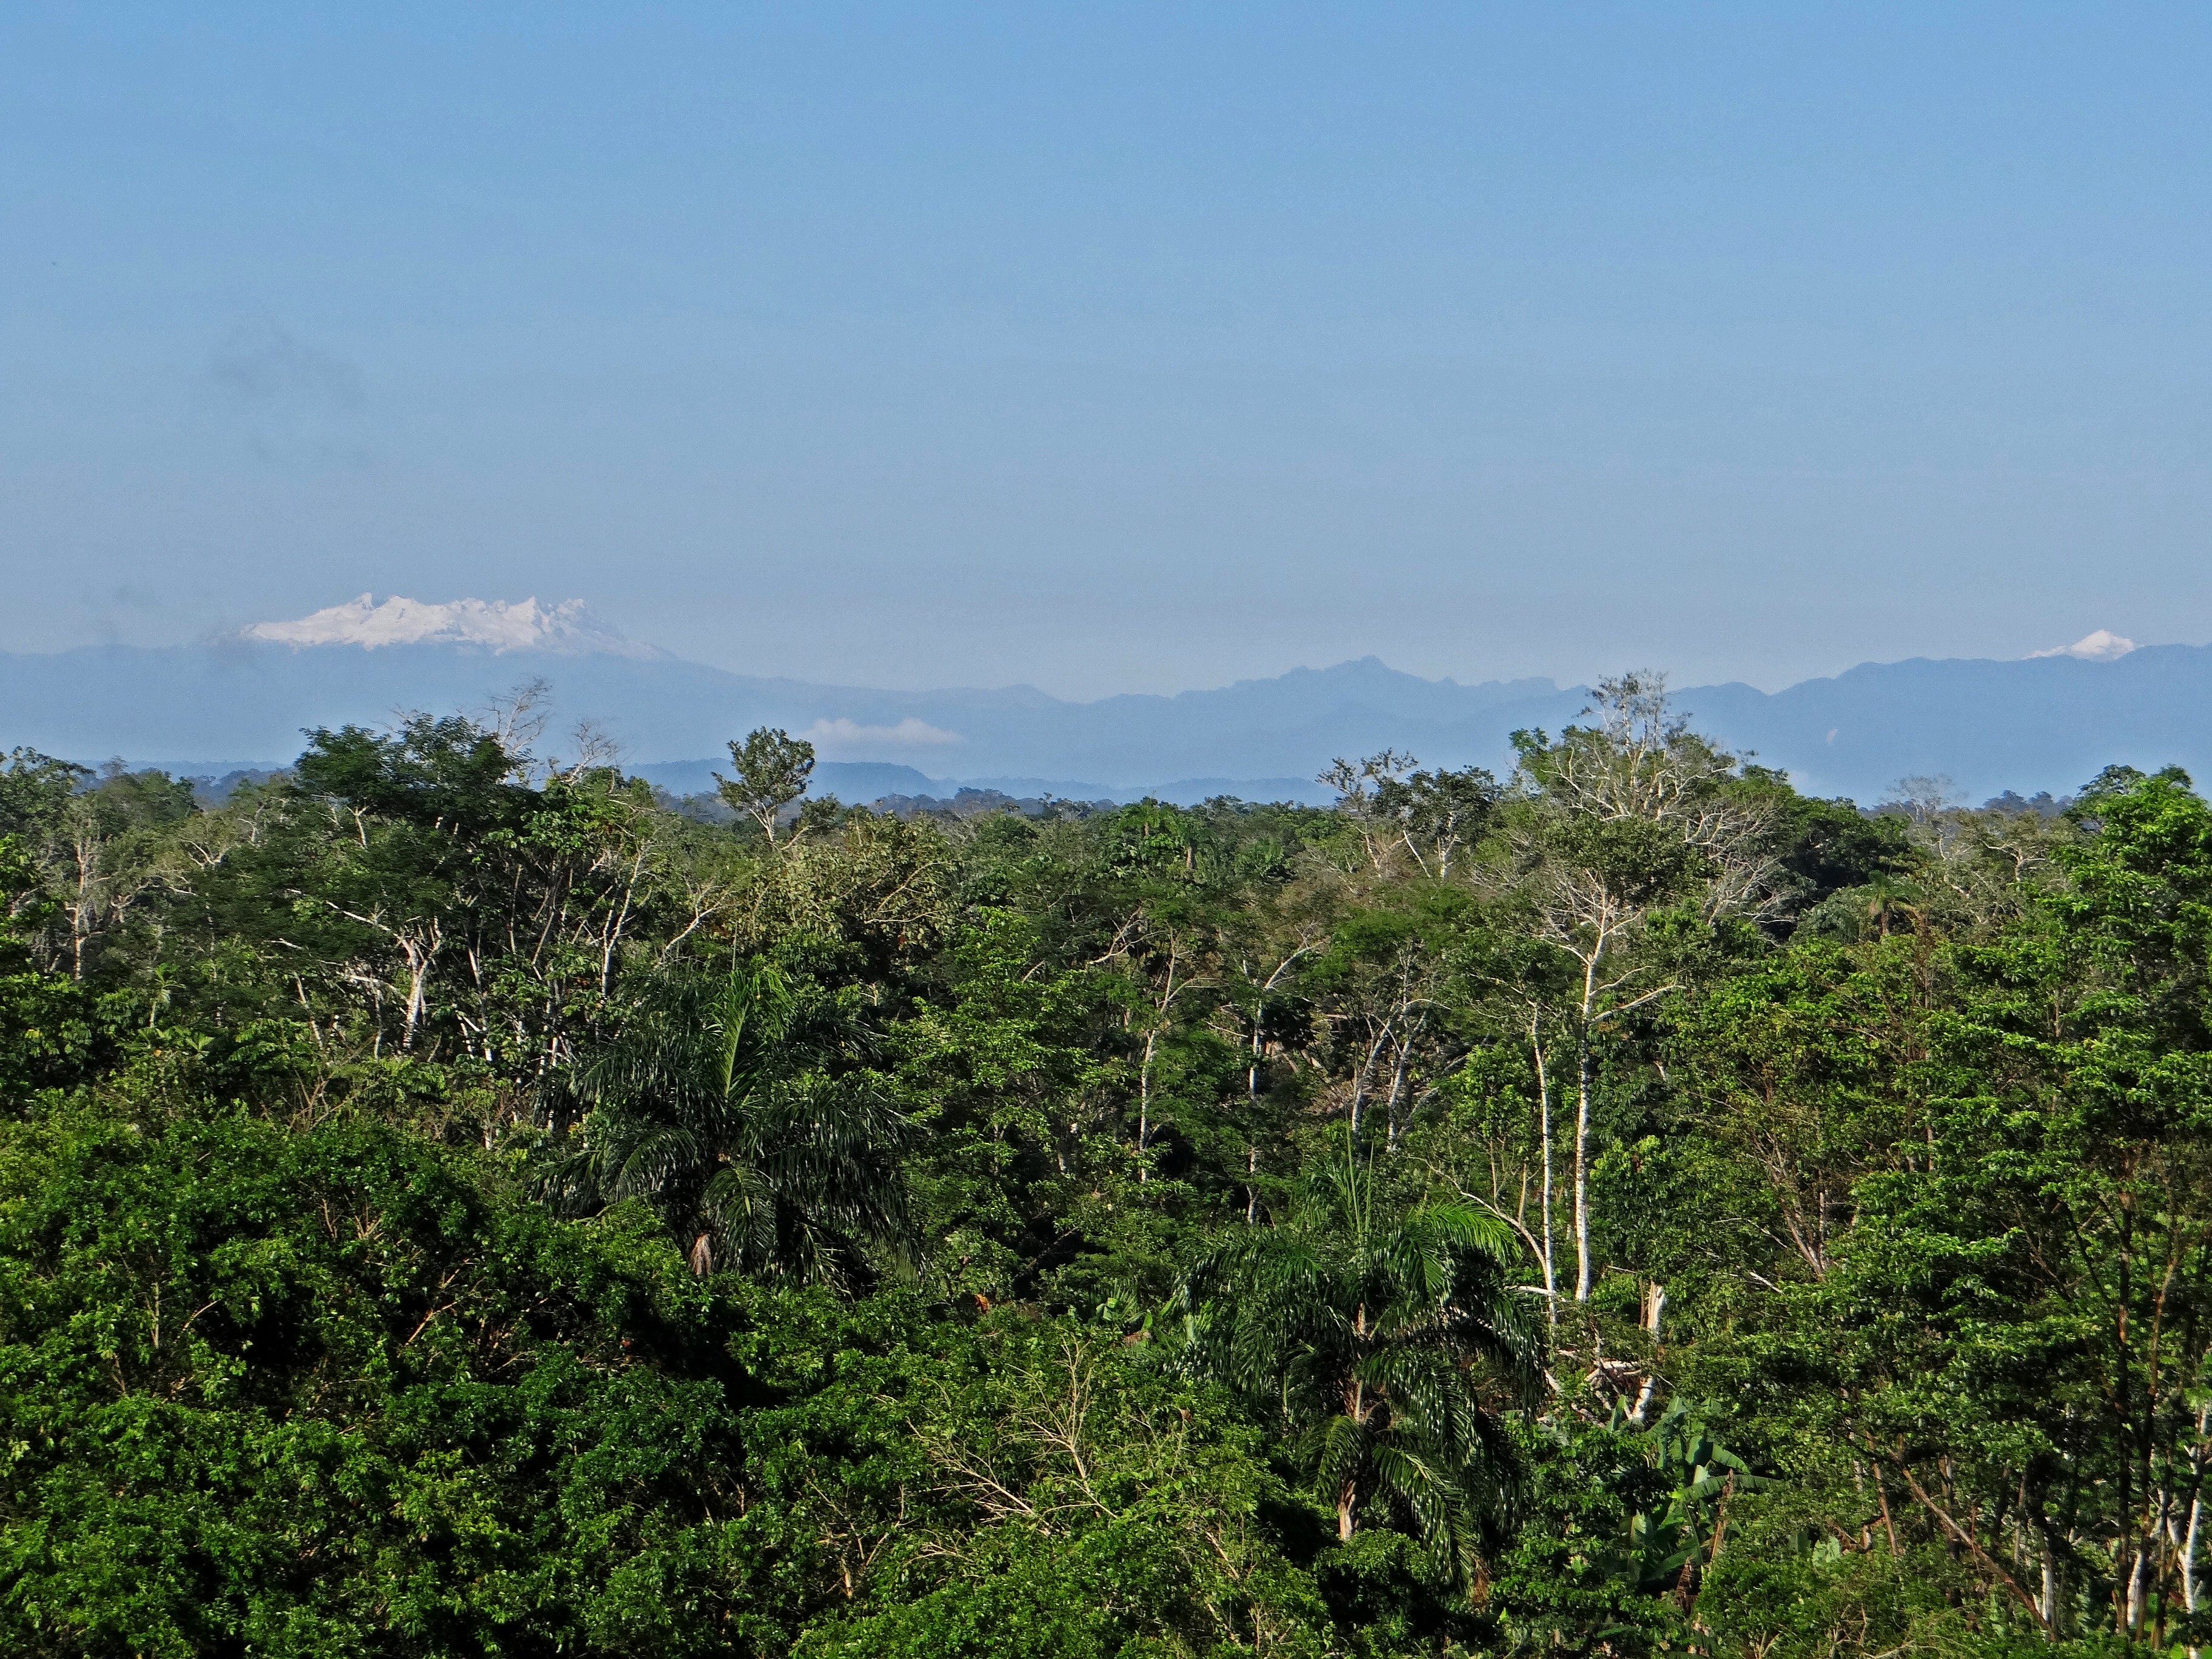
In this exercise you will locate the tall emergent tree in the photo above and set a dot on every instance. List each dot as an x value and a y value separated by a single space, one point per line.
1625 817
773 767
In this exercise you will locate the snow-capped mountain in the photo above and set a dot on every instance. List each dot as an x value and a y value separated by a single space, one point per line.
2101 646
502 625
2047 722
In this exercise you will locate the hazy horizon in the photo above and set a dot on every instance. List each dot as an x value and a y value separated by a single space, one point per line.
2099 645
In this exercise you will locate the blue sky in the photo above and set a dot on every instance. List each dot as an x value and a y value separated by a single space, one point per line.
1137 347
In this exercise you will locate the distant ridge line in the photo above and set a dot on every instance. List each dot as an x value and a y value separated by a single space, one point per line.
2046 723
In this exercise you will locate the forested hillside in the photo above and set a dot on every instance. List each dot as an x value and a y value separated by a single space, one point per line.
452 1204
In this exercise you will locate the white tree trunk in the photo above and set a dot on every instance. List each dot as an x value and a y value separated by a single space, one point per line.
1585 1068
1544 1132
2189 1558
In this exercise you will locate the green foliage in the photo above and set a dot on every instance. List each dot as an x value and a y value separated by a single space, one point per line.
1386 1342
322 1392
1572 1578
1823 847
742 1111
1034 1487
36 791
772 768
997 1065
452 1203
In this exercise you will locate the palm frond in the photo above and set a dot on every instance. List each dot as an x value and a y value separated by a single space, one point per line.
648 1160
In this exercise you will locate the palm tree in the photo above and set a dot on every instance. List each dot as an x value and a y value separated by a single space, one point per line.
741 1110
1389 1341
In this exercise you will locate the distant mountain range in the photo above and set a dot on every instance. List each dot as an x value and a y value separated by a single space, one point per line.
2047 722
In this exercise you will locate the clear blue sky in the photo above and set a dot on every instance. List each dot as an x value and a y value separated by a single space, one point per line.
1117 348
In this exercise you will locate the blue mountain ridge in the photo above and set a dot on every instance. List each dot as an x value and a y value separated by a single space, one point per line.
2042 723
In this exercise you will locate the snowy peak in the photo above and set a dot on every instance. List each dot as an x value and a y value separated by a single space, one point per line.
502 625
2102 646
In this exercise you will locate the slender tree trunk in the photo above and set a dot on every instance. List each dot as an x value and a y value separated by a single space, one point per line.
1585 1081
1586 1087
611 934
1365 1078
2126 1550
1544 1130
2189 1562
2050 1584
1252 1105
2168 1540
1393 1128
2196 1515
421 954
1252 1070
83 906
1655 1304
1355 1404
1145 1104
2136 1589
1145 1075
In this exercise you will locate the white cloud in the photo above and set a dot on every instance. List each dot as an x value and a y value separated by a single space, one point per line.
843 736
2103 646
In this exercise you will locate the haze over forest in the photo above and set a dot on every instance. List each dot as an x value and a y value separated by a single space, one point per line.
2043 724
1148 832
